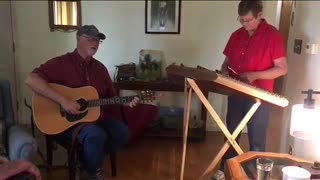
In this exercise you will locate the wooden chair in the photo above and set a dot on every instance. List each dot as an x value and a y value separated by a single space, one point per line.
73 163
73 157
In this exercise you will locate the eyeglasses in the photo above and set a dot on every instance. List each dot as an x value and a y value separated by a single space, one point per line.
245 21
92 39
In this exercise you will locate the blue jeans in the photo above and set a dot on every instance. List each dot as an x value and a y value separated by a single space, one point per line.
99 139
257 126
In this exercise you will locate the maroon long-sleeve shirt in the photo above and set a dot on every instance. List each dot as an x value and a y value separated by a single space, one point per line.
71 70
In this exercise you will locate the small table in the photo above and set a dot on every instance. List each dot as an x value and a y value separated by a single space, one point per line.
244 165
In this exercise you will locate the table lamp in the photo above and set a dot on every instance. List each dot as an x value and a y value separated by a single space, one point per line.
305 128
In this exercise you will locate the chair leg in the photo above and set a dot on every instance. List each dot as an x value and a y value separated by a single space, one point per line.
71 165
113 163
49 151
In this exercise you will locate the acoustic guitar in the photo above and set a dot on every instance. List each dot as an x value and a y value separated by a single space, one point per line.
51 118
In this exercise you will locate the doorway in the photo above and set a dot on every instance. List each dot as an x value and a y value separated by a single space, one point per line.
284 26
276 113
7 60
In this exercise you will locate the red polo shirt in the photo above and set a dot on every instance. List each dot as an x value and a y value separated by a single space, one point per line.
255 53
71 70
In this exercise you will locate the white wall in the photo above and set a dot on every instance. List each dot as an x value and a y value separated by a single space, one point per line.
7 67
205 29
303 68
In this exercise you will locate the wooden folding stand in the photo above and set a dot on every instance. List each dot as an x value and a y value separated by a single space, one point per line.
220 84
191 85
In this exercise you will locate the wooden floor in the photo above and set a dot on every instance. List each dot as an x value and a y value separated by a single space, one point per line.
160 158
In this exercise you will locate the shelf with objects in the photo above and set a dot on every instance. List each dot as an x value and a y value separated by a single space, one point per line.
148 75
160 131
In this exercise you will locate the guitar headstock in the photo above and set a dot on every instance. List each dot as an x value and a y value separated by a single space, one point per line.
147 96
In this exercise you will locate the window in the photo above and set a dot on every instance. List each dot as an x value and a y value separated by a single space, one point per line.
64 15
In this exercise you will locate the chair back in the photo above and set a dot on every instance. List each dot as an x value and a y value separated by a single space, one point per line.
6 108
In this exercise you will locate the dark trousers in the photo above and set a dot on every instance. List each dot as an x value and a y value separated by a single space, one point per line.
99 139
257 126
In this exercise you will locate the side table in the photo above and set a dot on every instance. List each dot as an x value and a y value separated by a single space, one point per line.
244 166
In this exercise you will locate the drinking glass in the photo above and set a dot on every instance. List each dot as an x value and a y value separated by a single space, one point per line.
264 168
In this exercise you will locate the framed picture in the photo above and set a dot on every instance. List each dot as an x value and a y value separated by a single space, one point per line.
162 16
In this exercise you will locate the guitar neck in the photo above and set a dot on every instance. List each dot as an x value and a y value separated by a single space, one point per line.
110 101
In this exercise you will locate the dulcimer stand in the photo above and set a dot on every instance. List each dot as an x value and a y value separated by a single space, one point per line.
197 78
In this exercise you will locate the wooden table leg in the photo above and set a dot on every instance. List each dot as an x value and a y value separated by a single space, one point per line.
203 115
187 102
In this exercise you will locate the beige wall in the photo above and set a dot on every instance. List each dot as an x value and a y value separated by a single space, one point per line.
205 29
7 67
303 68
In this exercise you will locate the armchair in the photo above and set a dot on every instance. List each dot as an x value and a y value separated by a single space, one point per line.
18 143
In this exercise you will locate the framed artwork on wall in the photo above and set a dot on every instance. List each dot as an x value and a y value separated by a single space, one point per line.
162 16
64 15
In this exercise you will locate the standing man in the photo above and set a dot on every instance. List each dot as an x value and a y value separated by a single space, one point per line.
77 69
254 54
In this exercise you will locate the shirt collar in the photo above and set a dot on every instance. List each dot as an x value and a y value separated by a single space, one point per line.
79 59
262 27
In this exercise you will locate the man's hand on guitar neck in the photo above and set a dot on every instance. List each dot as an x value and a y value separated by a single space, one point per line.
134 102
71 106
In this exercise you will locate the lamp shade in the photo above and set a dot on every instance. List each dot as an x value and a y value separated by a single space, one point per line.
305 131
305 122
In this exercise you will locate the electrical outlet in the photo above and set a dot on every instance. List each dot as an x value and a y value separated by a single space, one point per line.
297 46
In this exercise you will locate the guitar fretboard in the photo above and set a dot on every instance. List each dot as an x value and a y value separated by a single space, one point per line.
109 101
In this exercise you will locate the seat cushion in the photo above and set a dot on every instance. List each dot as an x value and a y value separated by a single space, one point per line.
66 143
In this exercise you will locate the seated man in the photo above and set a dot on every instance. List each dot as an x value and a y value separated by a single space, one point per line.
77 69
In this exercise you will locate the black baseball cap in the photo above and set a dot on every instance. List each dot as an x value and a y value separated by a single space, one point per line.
90 30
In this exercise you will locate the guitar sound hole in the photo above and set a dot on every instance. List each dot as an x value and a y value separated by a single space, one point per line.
76 117
83 104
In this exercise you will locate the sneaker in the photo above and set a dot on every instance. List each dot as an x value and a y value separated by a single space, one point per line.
77 172
219 175
98 175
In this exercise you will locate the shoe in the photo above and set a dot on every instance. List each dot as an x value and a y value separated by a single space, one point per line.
219 175
77 171
98 175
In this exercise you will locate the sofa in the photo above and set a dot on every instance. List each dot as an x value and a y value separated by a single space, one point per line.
18 143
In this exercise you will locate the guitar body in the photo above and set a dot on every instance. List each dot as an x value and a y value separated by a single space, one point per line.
49 117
